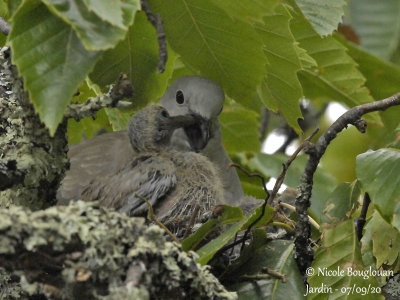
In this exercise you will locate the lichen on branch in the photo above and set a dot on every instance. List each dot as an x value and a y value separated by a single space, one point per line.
83 251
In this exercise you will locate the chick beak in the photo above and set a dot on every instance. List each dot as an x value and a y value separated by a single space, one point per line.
181 121
198 133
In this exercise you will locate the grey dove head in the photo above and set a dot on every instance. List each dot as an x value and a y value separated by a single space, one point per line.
197 96
151 128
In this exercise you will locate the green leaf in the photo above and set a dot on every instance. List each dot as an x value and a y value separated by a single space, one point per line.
230 215
136 56
336 78
50 58
109 12
382 80
207 251
94 32
247 10
379 174
323 15
345 147
13 6
210 42
339 253
119 119
281 87
377 25
278 256
233 120
341 202
385 240
191 242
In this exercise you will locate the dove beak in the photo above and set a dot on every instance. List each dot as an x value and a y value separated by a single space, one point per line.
198 133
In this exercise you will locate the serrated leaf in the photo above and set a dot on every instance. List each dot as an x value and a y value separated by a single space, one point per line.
323 15
340 252
233 120
136 56
382 79
210 42
278 256
50 58
379 174
341 202
95 33
336 78
247 10
281 82
377 25
385 240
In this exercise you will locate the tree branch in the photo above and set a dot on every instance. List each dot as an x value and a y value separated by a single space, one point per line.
304 252
363 216
156 21
122 89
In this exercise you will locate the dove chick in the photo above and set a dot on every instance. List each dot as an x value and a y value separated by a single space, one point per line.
177 184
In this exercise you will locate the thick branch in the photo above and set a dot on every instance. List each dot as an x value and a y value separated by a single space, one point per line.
122 89
304 251
83 251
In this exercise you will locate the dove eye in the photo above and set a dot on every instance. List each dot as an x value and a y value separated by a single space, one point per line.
179 97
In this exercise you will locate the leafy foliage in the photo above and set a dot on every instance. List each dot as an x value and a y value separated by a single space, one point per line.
377 171
46 50
339 254
277 255
264 54
324 16
377 25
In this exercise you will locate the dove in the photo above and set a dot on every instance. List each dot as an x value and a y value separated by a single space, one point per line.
181 186
109 152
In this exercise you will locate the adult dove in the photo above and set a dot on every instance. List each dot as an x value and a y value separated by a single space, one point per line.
178 184
188 95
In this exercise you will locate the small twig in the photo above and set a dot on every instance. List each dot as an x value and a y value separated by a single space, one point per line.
4 26
363 216
152 217
303 250
229 246
191 222
248 174
122 89
267 274
292 208
275 274
286 165
156 21
283 225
